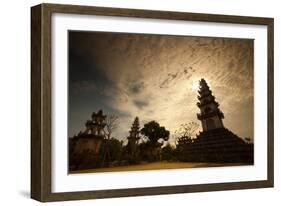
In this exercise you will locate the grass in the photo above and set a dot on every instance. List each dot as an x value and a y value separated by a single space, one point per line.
156 166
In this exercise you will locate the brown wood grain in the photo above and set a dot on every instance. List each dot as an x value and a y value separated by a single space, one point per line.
36 58
270 102
41 101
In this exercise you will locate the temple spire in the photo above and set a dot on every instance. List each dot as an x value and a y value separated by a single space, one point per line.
210 115
134 136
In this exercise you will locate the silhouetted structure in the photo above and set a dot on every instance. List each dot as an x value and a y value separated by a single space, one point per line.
84 147
133 138
96 125
210 115
216 143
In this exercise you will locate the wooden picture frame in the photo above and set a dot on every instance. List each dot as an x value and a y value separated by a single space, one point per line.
41 117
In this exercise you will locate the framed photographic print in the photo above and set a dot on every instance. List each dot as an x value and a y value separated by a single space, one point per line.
135 102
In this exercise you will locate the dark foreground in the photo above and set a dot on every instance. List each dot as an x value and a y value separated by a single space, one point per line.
157 166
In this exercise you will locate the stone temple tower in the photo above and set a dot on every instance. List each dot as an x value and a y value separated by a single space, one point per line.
210 115
216 143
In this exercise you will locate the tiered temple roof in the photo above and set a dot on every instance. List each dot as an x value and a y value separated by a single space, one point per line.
221 145
216 143
96 125
208 105
133 138
135 130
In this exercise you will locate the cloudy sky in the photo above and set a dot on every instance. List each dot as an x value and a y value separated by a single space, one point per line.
155 77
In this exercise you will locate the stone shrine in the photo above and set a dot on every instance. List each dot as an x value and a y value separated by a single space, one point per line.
84 147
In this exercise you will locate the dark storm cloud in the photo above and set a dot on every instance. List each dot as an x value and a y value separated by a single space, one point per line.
82 68
90 89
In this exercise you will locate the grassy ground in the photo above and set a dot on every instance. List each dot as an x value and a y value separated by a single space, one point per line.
156 166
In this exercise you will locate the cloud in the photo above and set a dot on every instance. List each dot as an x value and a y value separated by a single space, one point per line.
151 76
136 87
141 104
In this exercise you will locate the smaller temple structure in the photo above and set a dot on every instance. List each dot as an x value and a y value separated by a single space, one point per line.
133 138
84 148
96 125
216 143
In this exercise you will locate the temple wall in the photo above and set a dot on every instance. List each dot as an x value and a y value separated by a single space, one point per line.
212 123
211 105
87 144
218 122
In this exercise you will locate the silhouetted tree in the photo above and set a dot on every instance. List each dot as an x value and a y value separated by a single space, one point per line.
187 130
169 153
186 133
113 147
154 132
185 137
111 122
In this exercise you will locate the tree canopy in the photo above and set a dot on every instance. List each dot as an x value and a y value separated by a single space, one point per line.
154 132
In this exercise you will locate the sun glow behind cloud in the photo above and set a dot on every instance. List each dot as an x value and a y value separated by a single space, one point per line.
156 78
195 85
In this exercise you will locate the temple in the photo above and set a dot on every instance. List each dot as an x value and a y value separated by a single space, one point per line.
84 147
210 115
133 138
96 125
216 143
